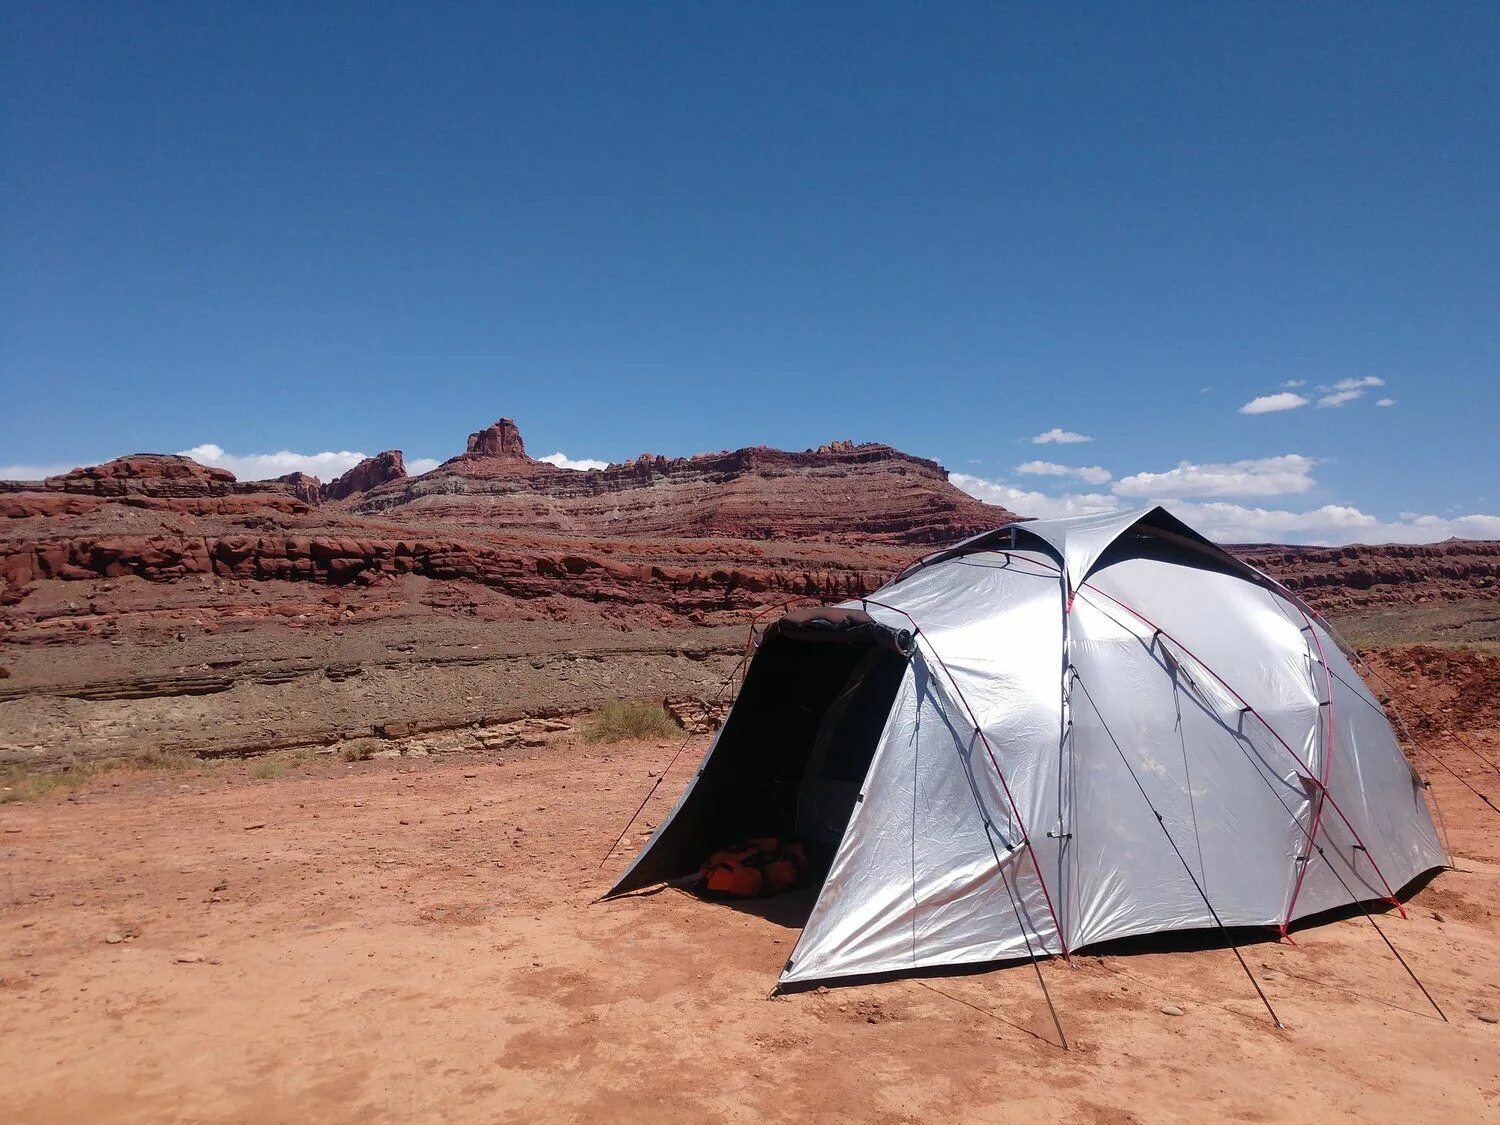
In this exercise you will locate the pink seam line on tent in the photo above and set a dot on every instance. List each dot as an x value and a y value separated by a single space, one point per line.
988 749
1312 838
1390 895
1307 622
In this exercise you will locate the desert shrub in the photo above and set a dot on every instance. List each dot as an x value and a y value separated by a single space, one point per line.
625 719
275 765
19 782
360 749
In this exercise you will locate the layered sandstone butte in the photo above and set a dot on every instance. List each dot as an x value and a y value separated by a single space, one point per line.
653 540
501 442
837 493
156 482
1343 579
369 473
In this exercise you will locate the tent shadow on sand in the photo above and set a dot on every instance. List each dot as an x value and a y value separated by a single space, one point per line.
1167 941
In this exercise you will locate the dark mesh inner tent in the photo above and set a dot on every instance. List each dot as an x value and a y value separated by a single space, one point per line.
795 749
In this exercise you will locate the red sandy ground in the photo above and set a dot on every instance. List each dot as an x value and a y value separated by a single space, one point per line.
416 940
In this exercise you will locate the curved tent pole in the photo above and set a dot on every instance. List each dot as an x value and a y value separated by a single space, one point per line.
1301 605
1354 898
917 635
1251 711
989 750
1390 895
1365 664
1304 861
1297 823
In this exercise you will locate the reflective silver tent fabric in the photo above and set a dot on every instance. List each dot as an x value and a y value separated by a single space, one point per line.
1145 680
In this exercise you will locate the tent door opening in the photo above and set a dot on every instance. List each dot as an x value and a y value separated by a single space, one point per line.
792 757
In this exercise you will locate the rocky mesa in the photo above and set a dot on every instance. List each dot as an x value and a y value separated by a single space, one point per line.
654 540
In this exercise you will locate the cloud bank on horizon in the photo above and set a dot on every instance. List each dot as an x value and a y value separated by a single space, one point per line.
325 466
1212 496
582 465
1231 501
1229 522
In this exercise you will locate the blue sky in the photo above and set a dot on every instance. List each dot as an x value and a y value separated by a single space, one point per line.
332 229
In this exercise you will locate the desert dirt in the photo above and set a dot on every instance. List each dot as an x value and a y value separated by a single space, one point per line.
416 938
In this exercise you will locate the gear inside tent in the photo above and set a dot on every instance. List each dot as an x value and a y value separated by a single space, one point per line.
1049 736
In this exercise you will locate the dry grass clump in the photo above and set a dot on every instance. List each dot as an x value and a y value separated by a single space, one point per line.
271 766
361 749
19 782
623 719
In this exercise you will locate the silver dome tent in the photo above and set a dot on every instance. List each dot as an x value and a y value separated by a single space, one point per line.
1053 735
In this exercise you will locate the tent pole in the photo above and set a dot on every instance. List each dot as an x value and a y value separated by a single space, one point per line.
1021 924
1390 895
1363 663
1301 865
918 635
1161 822
1354 898
1426 783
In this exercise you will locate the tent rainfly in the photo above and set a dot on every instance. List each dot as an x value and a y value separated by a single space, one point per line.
1052 735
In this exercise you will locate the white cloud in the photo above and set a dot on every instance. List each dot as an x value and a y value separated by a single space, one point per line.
245 466
563 461
1270 404
1237 523
1089 474
1347 390
1338 398
1056 436
1385 402
1331 524
1267 476
36 472
1037 504
263 466
1294 383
